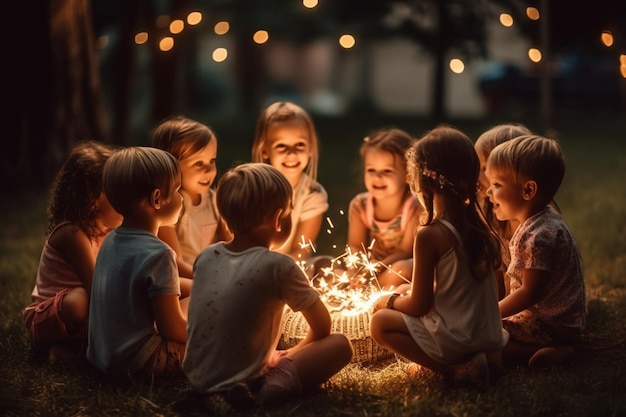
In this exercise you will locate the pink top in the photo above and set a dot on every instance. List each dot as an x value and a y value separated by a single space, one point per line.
54 272
388 234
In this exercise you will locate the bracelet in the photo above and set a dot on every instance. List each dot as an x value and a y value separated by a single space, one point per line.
391 299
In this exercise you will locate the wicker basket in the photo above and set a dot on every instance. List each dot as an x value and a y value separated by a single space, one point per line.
354 326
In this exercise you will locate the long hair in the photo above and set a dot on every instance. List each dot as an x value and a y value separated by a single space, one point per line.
77 187
444 161
283 112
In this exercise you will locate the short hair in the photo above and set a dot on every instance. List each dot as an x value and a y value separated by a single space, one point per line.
285 112
531 157
132 174
393 140
497 135
248 194
181 136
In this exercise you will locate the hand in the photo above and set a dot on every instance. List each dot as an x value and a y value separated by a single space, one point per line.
380 303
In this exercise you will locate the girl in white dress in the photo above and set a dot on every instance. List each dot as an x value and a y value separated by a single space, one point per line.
448 319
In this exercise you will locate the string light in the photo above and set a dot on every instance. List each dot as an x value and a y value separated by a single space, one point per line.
457 66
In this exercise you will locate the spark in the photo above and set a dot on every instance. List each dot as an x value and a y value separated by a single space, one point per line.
349 286
330 222
303 244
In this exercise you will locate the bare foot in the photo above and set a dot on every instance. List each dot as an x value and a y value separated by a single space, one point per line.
550 356
415 369
59 354
474 371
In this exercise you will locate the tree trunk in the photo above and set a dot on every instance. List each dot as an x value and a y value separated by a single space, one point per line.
56 88
438 109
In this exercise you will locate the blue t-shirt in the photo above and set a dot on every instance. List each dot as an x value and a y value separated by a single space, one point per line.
132 267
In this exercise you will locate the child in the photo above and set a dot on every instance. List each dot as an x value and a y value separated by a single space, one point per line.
136 321
79 216
504 229
195 146
545 311
384 218
285 138
449 319
240 291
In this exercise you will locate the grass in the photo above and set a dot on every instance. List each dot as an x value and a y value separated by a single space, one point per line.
593 202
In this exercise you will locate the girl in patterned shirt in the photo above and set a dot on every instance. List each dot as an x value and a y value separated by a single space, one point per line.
383 219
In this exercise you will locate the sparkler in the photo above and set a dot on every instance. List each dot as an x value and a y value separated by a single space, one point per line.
349 288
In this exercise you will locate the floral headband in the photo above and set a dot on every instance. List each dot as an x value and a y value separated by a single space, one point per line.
439 178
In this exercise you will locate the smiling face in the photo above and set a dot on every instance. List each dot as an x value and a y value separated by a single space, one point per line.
198 171
385 174
507 195
287 149
483 181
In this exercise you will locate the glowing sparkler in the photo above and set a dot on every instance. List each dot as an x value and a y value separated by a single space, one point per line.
349 286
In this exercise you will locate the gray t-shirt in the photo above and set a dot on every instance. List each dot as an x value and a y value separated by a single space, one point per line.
235 313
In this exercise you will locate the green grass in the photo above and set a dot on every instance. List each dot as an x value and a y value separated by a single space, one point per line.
593 202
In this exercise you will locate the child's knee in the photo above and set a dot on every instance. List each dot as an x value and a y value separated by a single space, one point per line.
76 305
343 346
376 326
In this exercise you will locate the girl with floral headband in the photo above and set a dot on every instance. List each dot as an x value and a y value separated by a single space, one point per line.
448 319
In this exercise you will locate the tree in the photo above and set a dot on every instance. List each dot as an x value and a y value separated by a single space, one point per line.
54 90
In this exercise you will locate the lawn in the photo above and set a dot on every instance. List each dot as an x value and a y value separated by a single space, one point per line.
593 201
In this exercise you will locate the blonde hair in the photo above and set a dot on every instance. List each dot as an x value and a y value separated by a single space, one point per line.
132 174
497 135
283 112
531 157
484 145
249 194
181 136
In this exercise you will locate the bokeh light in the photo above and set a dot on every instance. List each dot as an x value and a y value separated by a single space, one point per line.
194 18
622 65
220 54
221 28
506 20
457 66
309 4
141 38
607 38
176 26
532 13
260 36
166 44
534 54
347 41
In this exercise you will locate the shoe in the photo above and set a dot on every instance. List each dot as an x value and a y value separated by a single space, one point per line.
551 356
